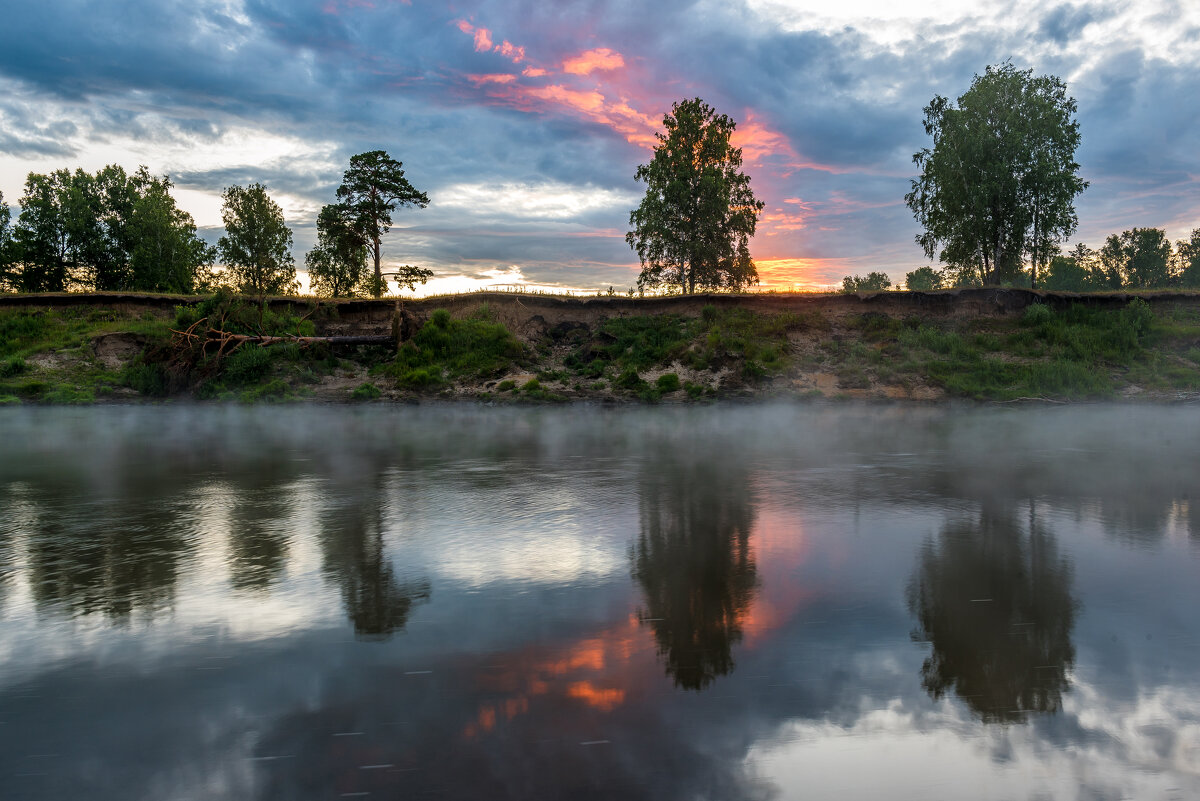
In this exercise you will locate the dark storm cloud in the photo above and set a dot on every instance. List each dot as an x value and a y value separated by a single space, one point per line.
1065 22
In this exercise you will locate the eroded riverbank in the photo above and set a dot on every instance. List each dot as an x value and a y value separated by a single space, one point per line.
986 344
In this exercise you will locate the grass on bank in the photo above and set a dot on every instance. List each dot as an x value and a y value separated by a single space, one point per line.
446 349
1072 352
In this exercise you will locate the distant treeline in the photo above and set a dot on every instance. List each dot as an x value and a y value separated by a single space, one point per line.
113 231
107 231
1140 258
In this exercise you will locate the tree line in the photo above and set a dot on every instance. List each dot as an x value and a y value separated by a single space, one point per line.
995 199
115 231
1140 258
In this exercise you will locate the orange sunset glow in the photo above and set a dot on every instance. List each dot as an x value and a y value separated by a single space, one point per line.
599 86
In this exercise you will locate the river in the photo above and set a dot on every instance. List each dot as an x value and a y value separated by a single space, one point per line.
725 602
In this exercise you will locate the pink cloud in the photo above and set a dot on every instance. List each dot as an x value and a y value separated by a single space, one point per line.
491 77
482 36
590 102
591 60
534 72
508 50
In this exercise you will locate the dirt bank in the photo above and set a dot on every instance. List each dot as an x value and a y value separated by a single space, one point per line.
923 346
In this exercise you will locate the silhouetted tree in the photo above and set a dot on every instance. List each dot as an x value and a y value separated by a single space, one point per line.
923 279
1140 256
371 189
1188 254
693 227
256 248
337 265
994 601
7 249
693 562
874 282
1000 180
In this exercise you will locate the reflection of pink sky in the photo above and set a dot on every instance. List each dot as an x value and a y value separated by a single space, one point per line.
619 664
604 87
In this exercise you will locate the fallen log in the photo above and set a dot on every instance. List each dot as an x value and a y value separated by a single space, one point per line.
364 339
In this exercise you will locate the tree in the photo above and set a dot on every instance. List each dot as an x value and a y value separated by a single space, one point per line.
874 282
1000 181
371 189
337 265
257 243
43 235
923 279
1140 257
165 254
694 225
7 254
1067 274
1187 252
108 231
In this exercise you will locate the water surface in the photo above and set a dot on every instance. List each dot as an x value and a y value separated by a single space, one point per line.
723 602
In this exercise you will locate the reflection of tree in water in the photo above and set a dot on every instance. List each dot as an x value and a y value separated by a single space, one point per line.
994 601
693 562
8 533
1136 518
114 559
258 533
352 540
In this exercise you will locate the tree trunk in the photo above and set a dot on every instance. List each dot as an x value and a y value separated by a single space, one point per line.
378 288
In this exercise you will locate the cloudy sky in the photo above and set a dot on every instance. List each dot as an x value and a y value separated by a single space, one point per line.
525 120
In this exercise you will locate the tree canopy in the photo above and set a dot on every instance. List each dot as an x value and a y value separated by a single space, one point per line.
693 227
372 188
1141 257
107 231
1000 181
337 265
873 282
923 279
1188 254
256 248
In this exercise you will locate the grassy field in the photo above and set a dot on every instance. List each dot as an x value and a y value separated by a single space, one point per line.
93 353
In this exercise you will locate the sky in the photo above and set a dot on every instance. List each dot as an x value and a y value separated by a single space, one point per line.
525 121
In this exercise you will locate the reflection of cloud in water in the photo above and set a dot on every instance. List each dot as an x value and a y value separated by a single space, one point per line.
512 662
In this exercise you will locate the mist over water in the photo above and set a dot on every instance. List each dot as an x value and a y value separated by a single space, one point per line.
585 602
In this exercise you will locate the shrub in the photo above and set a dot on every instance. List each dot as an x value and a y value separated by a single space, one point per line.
14 366
247 364
628 379
275 389
366 392
667 382
148 379
1037 314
